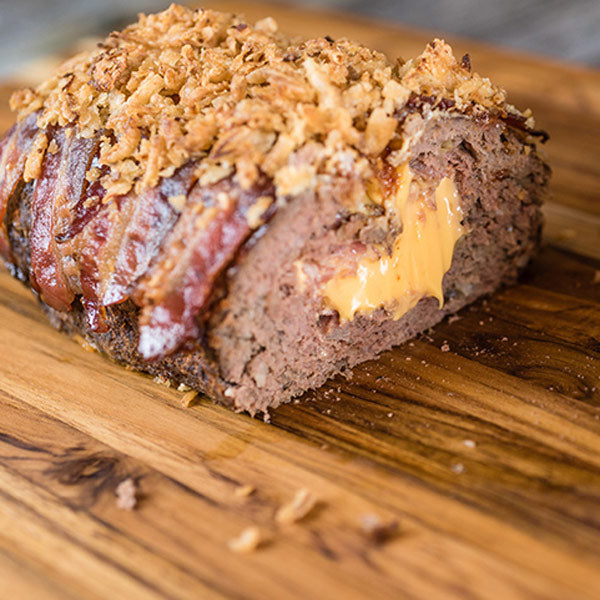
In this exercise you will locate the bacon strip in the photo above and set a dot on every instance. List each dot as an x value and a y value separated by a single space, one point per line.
204 241
4 151
152 217
73 189
57 191
94 237
108 252
14 149
87 206
122 239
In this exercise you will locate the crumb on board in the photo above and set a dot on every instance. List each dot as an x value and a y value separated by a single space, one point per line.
162 380
189 398
243 491
458 468
445 347
247 541
126 493
183 388
469 443
377 530
299 507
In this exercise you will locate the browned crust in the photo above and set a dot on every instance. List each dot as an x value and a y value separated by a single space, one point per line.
193 365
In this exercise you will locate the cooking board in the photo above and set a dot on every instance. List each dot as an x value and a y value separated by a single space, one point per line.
487 455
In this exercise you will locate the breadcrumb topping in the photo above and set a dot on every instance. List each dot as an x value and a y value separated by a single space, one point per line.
33 163
203 85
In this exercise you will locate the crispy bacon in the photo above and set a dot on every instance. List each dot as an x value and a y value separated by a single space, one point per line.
201 245
94 238
14 149
121 240
134 245
87 206
417 102
45 261
72 201
4 146
151 217
57 192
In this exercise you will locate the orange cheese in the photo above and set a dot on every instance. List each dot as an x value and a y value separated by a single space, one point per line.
421 255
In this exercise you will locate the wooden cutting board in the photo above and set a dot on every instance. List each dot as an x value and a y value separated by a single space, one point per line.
487 456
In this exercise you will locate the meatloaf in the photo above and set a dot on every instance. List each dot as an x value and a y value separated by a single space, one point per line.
248 214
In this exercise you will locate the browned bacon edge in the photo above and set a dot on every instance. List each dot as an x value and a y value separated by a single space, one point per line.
133 246
14 149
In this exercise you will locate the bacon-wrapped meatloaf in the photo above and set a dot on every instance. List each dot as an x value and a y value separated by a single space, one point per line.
210 201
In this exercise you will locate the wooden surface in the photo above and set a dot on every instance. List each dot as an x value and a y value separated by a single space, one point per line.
487 455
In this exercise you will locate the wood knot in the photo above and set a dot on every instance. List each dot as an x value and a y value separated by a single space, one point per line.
74 471
87 477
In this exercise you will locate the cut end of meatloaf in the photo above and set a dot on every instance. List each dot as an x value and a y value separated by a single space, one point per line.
279 212
277 333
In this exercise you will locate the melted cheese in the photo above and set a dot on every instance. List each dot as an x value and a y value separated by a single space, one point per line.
421 256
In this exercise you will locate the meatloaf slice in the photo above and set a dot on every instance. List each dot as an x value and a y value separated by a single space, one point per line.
211 202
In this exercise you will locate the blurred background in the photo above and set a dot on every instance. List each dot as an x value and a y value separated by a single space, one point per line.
569 30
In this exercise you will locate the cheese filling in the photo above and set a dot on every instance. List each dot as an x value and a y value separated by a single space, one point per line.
421 255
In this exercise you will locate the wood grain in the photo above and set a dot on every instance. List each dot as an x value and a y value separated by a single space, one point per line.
487 455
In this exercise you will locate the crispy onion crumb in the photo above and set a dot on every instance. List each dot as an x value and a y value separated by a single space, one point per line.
126 493
207 86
